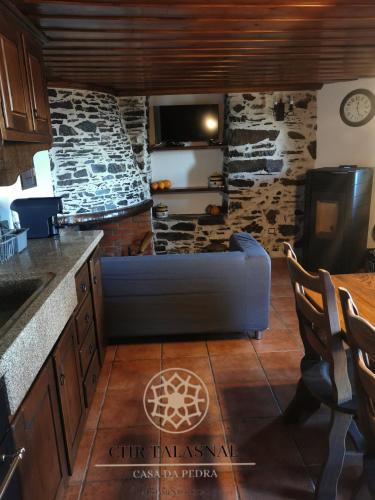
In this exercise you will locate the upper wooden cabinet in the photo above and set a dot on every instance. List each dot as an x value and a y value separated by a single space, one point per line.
41 121
24 115
14 88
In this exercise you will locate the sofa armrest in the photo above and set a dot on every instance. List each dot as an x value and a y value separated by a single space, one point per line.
257 275
247 244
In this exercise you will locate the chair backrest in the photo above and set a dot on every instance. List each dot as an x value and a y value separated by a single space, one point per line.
319 323
361 338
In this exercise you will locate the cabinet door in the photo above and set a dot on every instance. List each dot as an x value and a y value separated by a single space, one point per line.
37 428
38 88
97 298
70 391
13 83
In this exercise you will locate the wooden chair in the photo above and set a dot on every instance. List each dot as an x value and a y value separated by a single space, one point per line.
324 368
361 338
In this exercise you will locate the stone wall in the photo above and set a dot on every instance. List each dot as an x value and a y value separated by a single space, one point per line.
265 166
134 111
93 165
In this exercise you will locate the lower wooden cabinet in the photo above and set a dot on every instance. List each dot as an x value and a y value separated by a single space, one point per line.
69 388
50 420
37 428
97 298
91 379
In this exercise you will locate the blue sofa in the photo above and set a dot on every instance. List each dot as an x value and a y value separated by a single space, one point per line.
188 293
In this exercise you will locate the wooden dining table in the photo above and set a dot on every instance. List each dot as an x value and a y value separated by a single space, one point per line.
362 289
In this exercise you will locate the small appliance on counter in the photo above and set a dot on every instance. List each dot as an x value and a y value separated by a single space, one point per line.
39 215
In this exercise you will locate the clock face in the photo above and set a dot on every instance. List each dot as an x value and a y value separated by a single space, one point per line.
358 107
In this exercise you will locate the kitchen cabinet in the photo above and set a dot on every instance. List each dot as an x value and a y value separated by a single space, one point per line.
50 421
97 298
37 427
41 123
24 113
16 111
68 378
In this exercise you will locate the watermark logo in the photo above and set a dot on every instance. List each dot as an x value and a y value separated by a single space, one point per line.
176 400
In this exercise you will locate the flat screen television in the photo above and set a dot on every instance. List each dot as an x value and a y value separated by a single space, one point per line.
187 123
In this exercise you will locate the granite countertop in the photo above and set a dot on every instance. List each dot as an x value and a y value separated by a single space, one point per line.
28 342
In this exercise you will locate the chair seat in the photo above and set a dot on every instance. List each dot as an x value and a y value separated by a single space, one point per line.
315 375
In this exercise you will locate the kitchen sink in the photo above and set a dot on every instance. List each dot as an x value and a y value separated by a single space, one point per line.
17 294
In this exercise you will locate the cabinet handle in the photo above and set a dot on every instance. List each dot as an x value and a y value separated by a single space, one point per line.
95 280
84 287
94 378
87 317
91 348
62 379
16 458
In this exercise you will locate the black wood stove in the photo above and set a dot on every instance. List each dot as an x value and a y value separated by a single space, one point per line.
337 210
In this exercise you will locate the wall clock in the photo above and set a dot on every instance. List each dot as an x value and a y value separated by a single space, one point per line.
358 107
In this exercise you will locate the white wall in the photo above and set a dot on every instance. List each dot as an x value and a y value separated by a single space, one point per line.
339 144
43 187
187 168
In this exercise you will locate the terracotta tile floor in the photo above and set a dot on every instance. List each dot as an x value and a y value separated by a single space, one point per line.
250 383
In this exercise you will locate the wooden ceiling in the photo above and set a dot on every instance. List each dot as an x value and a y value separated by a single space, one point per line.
157 47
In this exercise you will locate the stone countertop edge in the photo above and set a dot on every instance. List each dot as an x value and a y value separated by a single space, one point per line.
27 344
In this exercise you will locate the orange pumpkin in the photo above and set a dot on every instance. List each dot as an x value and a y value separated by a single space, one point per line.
154 186
215 210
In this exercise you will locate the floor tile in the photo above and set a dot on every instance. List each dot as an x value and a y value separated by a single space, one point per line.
284 393
241 401
277 340
132 374
282 366
199 366
281 290
126 352
73 492
264 441
275 321
206 434
217 347
221 488
312 438
237 368
282 304
195 349
121 490
123 409
274 483
112 446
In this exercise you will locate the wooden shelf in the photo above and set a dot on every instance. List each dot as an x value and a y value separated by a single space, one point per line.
198 189
180 148
203 219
